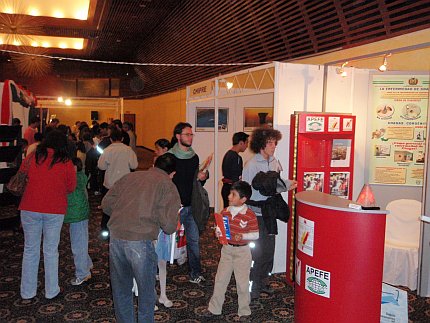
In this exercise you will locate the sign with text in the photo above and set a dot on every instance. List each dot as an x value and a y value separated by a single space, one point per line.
399 120
317 281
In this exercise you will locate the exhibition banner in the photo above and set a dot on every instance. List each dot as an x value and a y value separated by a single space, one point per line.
399 120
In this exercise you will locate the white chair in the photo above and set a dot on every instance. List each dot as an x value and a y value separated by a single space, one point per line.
401 243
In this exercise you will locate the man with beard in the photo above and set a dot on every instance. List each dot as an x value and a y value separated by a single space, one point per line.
187 163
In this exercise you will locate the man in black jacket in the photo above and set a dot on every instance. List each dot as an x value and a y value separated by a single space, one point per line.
187 164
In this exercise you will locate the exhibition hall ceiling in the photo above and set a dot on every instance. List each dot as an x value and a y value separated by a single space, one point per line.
188 32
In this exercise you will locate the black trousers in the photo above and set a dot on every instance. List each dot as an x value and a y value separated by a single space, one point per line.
262 255
105 217
225 191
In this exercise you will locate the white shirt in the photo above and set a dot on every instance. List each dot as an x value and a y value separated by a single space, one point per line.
117 159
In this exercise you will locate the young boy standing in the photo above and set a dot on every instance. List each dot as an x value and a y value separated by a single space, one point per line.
236 254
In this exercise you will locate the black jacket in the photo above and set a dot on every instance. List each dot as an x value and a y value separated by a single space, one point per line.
270 184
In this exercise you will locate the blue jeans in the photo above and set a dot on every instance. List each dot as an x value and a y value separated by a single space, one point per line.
128 259
192 235
79 243
35 225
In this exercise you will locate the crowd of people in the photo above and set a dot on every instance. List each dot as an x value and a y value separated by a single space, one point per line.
142 209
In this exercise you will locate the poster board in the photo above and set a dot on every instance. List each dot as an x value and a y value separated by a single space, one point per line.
399 118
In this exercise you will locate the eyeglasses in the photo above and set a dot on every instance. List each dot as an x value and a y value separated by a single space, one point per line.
187 134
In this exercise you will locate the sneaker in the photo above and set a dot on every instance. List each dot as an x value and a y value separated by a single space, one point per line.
78 281
197 280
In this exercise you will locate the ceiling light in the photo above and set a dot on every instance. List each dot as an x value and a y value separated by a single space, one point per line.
229 85
62 45
341 70
34 44
58 14
45 44
68 102
33 12
60 99
383 67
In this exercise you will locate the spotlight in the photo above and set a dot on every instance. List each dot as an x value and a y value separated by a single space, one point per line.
383 67
341 71
229 85
252 245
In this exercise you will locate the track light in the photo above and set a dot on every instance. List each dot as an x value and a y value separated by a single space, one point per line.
383 67
341 71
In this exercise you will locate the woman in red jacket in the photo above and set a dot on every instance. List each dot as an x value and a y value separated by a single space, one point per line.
51 176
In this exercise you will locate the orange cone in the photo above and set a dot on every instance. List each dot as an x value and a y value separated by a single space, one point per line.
366 197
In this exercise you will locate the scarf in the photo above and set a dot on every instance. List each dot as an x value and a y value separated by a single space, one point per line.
181 154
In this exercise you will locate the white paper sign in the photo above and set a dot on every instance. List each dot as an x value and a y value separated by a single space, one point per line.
306 236
317 281
394 305
314 124
348 124
333 124
298 271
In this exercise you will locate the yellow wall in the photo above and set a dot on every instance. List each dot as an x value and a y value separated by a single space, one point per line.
69 115
157 116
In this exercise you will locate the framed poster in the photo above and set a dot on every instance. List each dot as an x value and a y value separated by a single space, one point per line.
313 181
339 184
205 119
257 117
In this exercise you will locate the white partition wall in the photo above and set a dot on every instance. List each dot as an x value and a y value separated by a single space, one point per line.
295 87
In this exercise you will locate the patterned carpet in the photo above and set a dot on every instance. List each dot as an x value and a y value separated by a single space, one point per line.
92 301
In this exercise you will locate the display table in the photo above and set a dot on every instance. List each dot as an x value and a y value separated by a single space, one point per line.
339 260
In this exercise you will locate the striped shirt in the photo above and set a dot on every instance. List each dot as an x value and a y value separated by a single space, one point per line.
244 223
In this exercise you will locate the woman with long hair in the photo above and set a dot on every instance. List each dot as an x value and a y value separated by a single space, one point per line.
51 176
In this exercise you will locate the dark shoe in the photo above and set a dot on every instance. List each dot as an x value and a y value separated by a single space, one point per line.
268 290
56 297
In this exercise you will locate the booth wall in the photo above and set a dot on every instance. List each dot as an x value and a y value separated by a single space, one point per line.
204 140
157 116
70 115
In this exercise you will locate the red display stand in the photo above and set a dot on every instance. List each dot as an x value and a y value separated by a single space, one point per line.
339 260
321 159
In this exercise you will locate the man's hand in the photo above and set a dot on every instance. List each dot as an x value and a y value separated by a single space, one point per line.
202 175
293 185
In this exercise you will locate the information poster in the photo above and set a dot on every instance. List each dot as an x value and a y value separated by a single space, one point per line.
306 236
398 134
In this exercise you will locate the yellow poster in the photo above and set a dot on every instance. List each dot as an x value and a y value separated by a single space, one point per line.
399 120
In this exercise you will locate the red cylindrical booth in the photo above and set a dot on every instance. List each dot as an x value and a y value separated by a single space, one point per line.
339 260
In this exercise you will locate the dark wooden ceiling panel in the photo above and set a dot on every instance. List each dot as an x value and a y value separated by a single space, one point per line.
222 31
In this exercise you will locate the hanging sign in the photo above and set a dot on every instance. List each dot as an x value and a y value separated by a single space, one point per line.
201 89
399 120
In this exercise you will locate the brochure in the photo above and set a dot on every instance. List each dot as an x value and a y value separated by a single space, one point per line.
224 225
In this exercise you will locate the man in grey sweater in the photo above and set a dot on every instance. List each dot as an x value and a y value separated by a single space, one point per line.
139 204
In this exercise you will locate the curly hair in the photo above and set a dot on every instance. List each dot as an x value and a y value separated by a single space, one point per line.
260 136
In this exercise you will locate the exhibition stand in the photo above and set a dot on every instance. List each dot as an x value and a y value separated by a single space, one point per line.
339 260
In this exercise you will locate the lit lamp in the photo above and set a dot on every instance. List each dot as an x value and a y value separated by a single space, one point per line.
383 67
341 71
366 198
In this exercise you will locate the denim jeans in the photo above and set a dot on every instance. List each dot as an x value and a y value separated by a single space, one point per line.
128 259
35 225
79 243
192 236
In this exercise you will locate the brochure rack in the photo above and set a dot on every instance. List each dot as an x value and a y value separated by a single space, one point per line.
321 159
